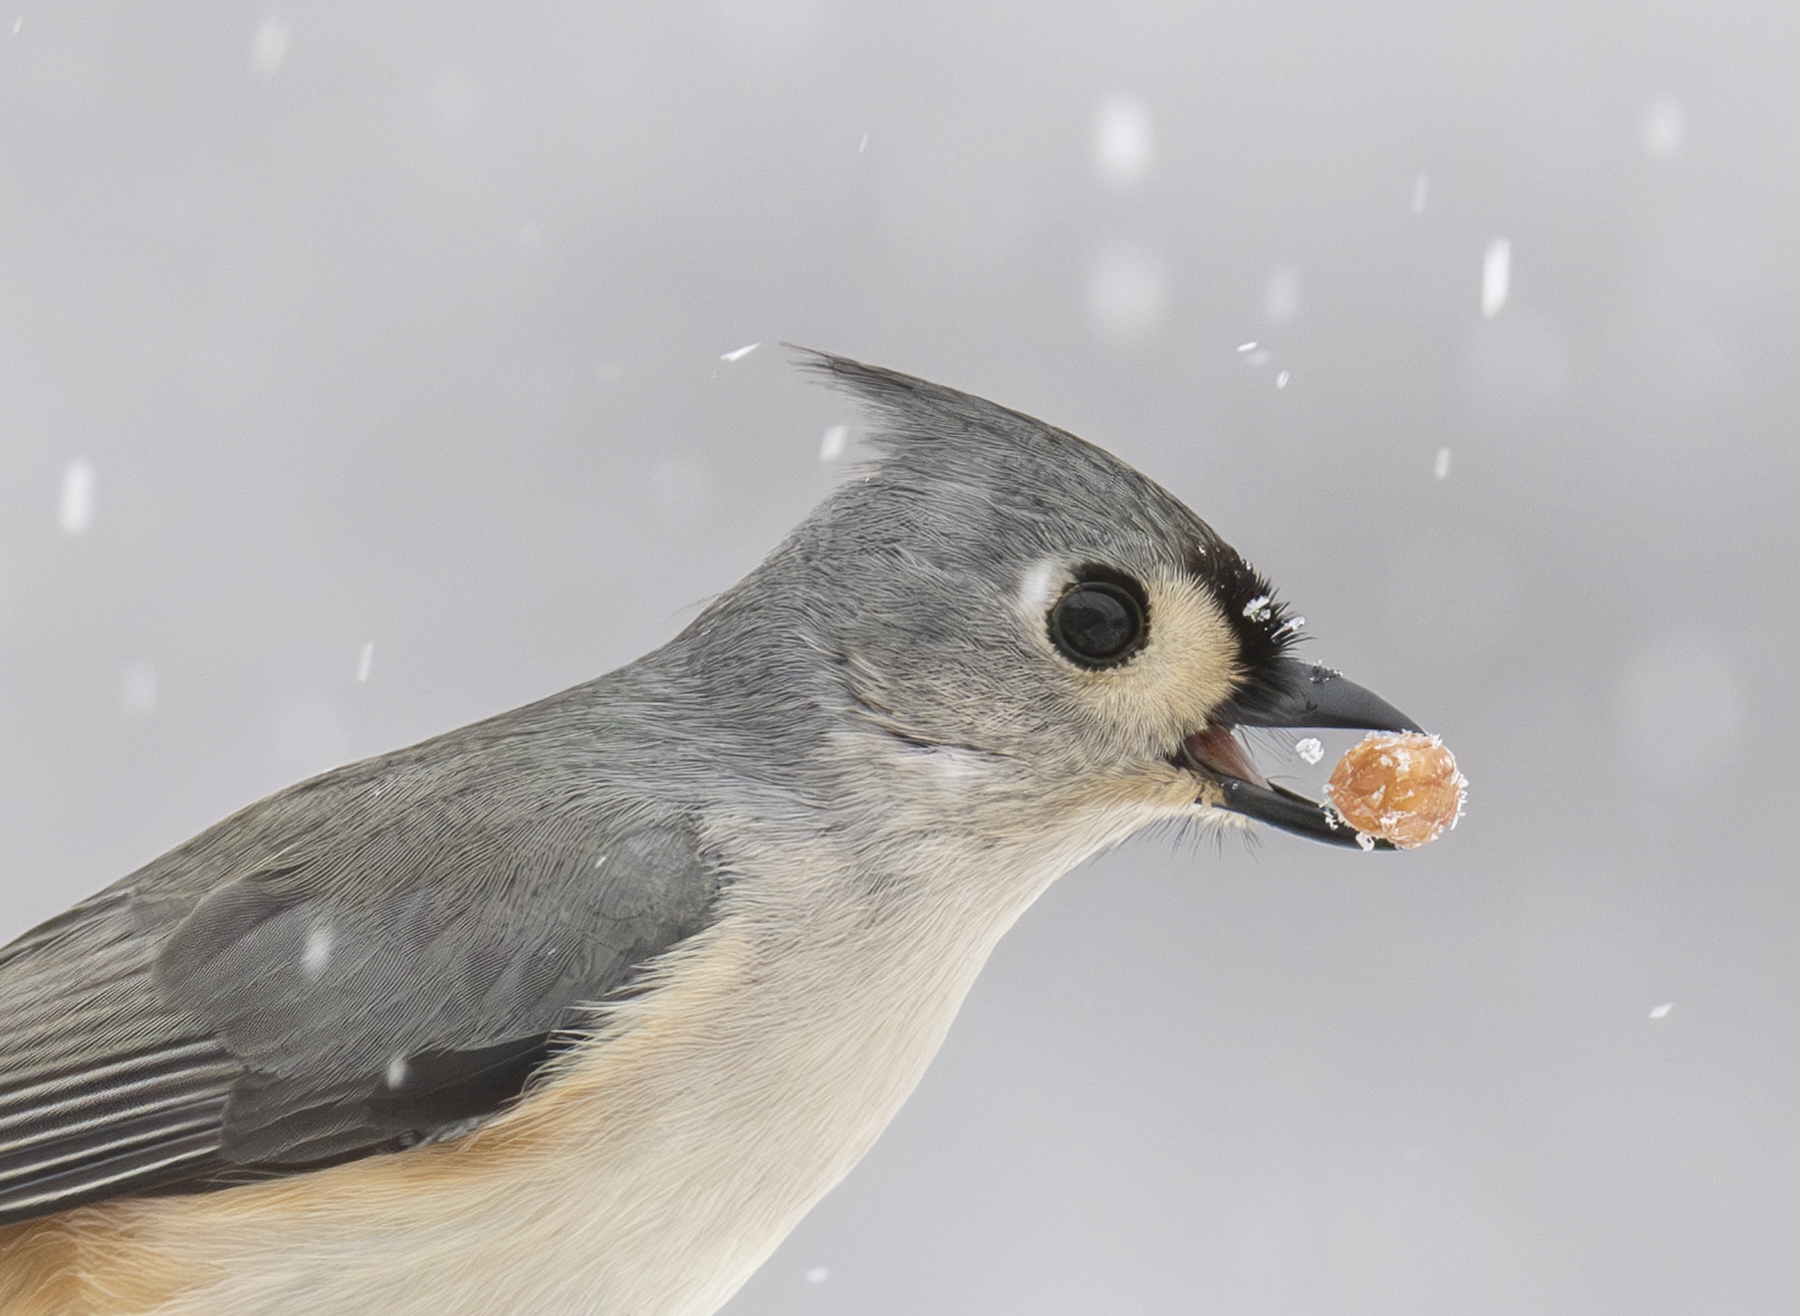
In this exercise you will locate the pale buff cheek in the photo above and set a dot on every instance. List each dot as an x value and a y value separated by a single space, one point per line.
1187 669
1169 689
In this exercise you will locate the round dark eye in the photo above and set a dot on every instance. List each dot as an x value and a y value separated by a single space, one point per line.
1097 624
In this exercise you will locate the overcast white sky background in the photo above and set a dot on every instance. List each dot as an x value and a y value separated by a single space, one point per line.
360 375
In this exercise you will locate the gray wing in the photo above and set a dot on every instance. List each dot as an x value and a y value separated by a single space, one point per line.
364 961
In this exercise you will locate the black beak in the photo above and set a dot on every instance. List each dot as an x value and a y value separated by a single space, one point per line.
1298 695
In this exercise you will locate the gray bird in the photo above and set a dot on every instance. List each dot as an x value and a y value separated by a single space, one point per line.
579 1009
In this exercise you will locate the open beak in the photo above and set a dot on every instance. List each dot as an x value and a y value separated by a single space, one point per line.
1295 695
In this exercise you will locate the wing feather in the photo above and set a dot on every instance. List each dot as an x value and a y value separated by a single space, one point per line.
368 960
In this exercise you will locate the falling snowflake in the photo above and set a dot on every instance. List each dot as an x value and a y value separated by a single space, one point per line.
1496 276
269 50
75 509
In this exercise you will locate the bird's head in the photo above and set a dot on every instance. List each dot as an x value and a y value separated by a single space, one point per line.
1010 605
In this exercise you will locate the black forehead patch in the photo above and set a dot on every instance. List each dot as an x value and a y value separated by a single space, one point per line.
1264 628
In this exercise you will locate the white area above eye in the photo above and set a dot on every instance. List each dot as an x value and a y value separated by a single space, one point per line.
1039 584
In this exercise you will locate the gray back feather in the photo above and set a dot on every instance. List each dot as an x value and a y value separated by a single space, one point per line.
360 961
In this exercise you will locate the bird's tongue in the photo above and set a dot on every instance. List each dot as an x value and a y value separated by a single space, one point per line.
1218 749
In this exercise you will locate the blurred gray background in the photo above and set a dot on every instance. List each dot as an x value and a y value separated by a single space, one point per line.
360 375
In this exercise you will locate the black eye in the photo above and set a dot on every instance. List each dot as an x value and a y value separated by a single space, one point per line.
1097 624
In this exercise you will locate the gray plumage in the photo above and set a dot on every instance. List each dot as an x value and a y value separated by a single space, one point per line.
390 953
247 1000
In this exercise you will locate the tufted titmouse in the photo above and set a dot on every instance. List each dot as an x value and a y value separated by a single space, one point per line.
579 1009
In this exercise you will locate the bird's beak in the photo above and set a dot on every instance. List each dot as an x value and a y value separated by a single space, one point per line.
1294 694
